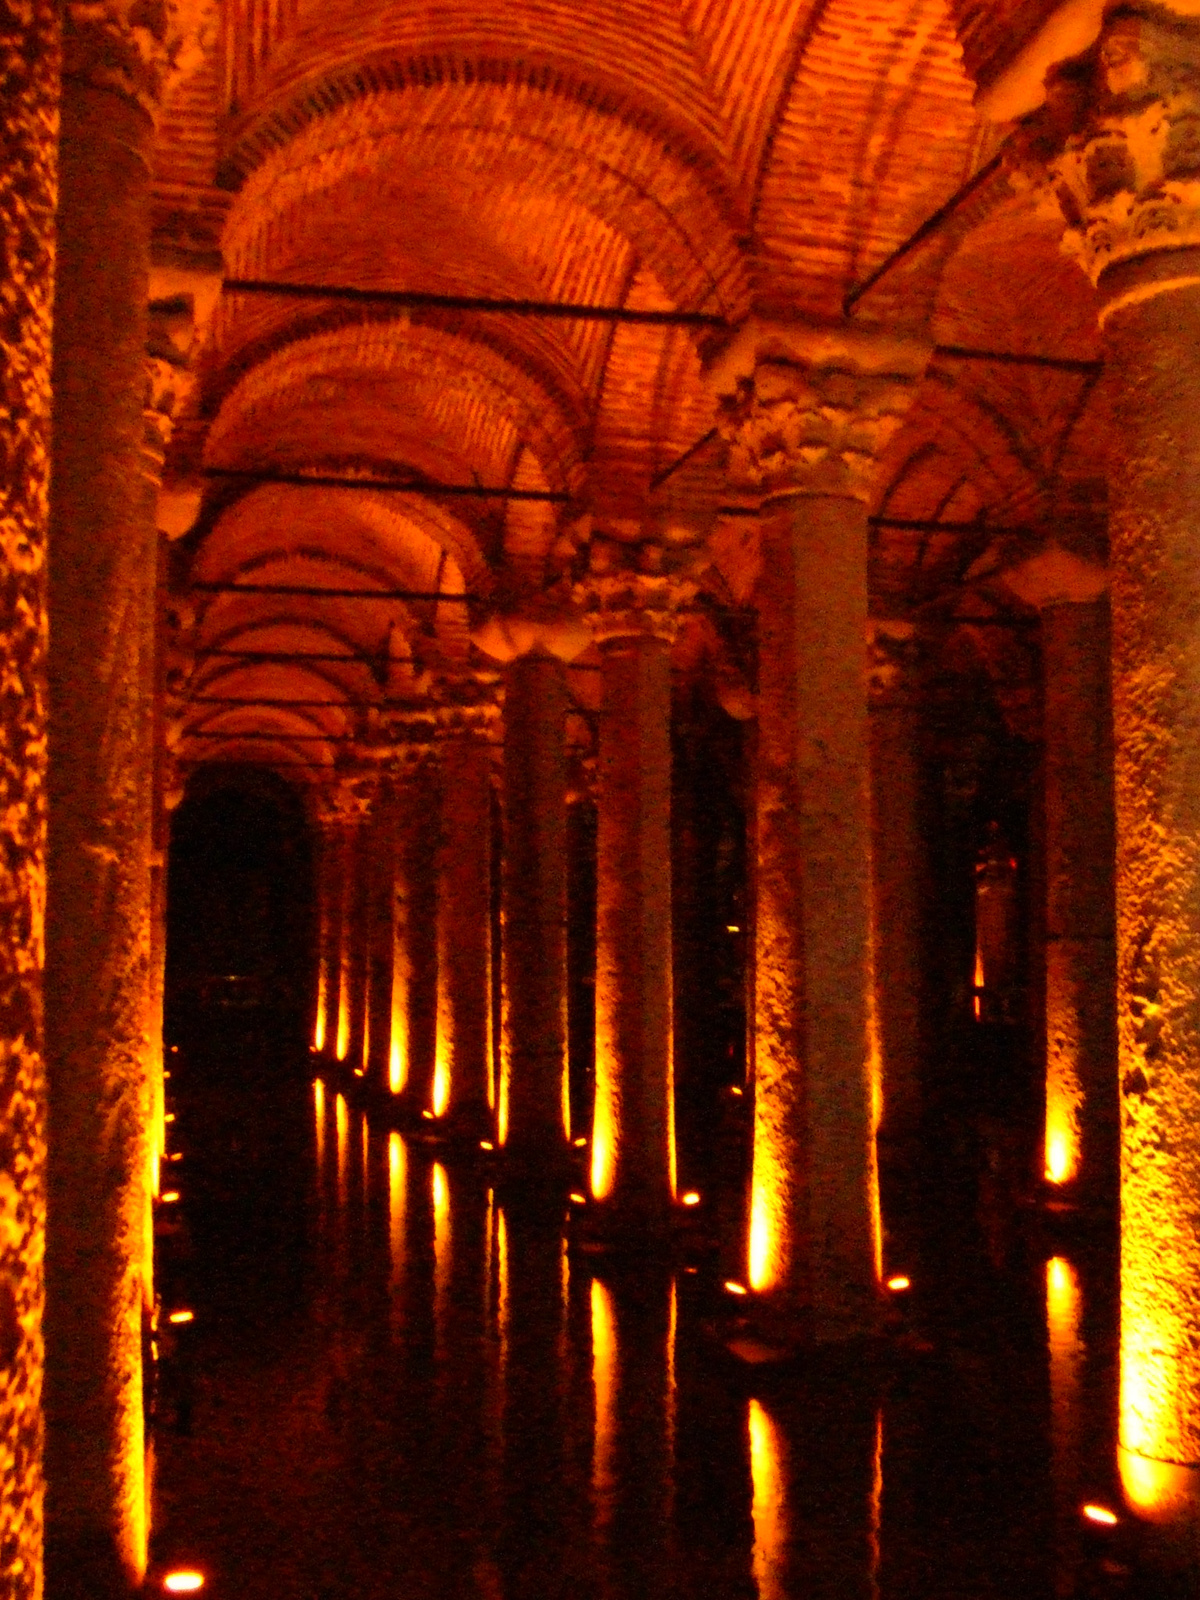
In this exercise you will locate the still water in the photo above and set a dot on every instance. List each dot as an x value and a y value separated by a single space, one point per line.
400 1383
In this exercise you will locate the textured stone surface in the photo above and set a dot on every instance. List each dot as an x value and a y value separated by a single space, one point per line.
28 182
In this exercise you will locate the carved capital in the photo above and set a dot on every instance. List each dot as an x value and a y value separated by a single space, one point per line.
808 409
137 48
893 660
623 604
467 707
1118 140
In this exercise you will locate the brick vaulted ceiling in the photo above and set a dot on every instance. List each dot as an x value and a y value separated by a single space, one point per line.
702 155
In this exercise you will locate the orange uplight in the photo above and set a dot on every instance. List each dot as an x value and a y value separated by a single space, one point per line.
580 1143
691 1198
170 1117
578 1199
486 1144
441 1086
899 1283
427 1113
185 1581
171 1196
1101 1515
732 927
182 1316
735 1288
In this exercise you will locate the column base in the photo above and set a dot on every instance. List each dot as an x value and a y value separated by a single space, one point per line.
1165 1500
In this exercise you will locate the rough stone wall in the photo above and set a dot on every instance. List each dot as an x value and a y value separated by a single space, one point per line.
29 46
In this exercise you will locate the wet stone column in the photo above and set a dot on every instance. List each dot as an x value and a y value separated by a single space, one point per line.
806 412
362 800
898 885
413 1046
534 1114
1082 1110
29 48
462 1087
634 617
102 574
381 929
1117 138
328 886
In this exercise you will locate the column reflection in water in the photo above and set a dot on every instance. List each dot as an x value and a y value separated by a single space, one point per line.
816 1467
341 1123
397 1210
1064 1308
543 1496
633 1463
442 1245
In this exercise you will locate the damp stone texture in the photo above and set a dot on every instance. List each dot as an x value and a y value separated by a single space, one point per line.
805 411
29 75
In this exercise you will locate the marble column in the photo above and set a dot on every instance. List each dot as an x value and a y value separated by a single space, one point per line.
326 828
463 1092
381 929
29 42
806 411
1082 1130
413 1045
102 573
634 617
898 886
364 798
534 1114
1117 139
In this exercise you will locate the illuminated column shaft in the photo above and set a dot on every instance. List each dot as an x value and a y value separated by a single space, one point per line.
329 897
462 1072
898 851
1082 1120
534 950
29 43
363 866
806 411
102 577
413 1045
381 931
633 1154
1120 122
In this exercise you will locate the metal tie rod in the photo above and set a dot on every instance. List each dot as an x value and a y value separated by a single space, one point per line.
332 480
316 592
419 300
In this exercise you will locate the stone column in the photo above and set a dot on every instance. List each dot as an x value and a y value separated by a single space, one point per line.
806 411
413 1047
534 1114
326 825
363 800
1117 137
463 1094
380 929
29 44
1082 1141
898 883
98 906
634 617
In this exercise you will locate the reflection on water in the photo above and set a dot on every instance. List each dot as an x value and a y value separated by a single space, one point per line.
437 1399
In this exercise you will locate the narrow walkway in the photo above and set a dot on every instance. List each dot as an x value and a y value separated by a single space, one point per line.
395 1386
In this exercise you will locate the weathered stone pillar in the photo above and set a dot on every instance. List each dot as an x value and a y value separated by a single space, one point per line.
463 1094
1082 1149
364 797
325 823
381 929
534 1114
806 411
1117 136
29 47
898 882
634 617
413 1048
102 574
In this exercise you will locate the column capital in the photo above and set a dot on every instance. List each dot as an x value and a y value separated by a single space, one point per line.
467 707
1117 142
894 658
807 408
635 591
136 50
545 624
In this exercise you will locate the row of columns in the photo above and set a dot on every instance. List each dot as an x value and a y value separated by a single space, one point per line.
808 411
